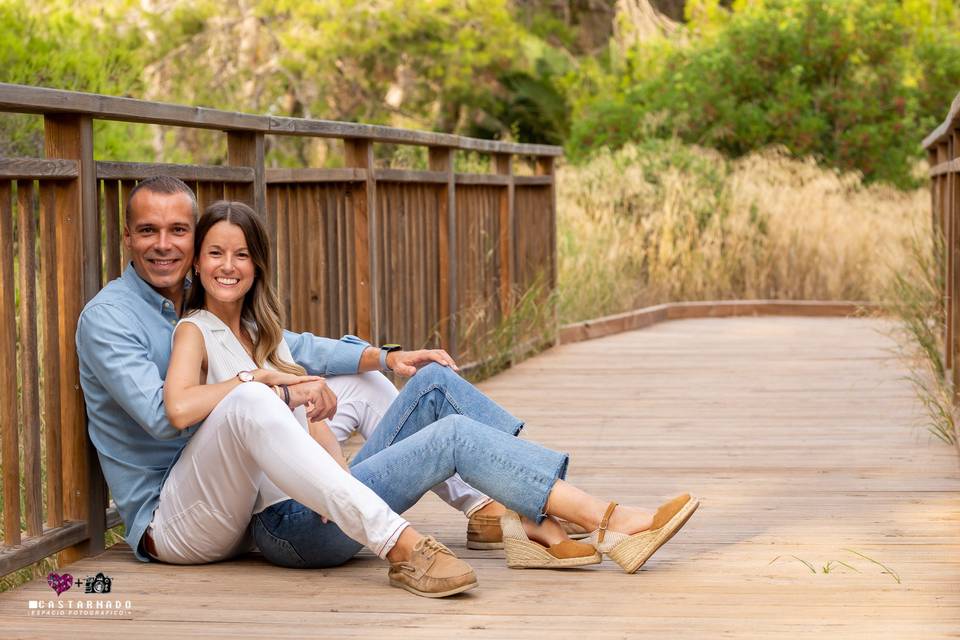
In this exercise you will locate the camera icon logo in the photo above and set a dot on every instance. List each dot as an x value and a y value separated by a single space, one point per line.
97 584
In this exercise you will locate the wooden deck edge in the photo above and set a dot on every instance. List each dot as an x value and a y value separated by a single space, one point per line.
648 316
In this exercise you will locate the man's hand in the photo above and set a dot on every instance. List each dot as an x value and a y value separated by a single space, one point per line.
320 401
406 363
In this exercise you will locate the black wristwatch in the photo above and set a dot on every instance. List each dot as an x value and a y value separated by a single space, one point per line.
384 350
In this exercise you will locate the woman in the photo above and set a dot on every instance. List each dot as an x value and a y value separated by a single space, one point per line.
230 338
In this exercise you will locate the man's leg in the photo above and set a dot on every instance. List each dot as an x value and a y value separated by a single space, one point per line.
520 474
207 499
434 393
362 401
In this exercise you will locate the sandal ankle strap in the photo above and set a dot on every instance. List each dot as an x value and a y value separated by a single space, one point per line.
604 521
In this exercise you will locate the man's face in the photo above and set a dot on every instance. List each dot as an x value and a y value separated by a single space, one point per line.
159 236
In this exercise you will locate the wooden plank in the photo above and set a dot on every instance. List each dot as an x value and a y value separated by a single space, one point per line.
534 181
69 136
8 373
944 168
545 167
29 366
405 175
37 548
126 186
481 179
24 99
245 149
359 154
186 172
441 159
112 224
33 168
312 174
503 165
51 351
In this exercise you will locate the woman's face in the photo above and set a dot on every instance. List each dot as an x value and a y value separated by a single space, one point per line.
226 269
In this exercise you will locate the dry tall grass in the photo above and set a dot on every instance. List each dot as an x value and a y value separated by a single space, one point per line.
668 222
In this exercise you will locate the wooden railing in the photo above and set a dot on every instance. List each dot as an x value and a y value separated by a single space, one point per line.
387 254
943 153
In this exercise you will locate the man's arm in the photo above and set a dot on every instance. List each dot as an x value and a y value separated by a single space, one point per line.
325 356
112 345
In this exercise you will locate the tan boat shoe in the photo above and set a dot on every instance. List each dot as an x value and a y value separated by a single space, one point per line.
631 551
524 553
433 571
484 532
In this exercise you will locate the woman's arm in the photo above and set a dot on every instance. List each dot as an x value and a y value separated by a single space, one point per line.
320 431
187 398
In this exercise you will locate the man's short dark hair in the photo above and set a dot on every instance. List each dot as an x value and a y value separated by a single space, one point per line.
163 184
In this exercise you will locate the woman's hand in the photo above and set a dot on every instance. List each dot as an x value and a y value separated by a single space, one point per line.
320 401
272 378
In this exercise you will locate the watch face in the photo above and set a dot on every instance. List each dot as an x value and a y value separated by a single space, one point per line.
391 347
245 376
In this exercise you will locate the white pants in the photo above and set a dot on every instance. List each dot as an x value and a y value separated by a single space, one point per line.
362 400
208 498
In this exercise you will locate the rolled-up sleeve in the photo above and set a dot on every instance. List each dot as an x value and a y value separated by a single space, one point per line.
325 356
111 346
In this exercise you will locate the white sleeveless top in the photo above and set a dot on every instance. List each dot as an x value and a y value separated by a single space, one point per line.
226 357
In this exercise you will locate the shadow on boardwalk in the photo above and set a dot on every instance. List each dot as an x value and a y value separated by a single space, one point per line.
800 435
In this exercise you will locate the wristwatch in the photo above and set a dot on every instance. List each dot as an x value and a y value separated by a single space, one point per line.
245 376
384 350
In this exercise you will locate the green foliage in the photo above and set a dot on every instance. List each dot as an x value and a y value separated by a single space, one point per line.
856 84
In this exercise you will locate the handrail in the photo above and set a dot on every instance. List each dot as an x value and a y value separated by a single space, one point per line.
26 99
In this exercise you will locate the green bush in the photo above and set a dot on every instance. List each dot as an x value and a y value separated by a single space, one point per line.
856 84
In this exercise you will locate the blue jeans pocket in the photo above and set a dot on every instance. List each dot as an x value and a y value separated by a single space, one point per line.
275 550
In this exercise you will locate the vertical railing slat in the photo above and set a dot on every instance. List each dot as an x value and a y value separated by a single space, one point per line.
51 351
441 159
29 367
359 154
10 423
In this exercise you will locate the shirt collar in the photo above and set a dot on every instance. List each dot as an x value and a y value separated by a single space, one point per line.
132 279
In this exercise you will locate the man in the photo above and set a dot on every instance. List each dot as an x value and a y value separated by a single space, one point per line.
123 342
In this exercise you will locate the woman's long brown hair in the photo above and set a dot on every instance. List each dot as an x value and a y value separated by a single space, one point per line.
261 306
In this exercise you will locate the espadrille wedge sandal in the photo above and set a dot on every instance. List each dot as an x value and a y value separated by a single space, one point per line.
631 551
524 553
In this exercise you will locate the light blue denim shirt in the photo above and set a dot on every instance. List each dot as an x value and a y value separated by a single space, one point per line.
123 342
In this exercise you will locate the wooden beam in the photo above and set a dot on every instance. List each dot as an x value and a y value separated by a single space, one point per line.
71 136
503 166
186 172
311 174
359 154
31 550
8 374
29 366
481 179
441 159
404 175
24 99
37 168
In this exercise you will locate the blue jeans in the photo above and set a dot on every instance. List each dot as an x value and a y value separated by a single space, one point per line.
439 425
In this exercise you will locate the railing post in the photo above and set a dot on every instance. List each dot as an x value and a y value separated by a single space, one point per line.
78 244
441 159
246 149
359 154
951 187
545 167
503 165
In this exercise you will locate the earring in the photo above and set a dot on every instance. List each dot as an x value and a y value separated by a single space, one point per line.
196 271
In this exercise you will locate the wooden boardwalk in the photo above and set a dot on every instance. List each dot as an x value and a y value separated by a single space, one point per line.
800 434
